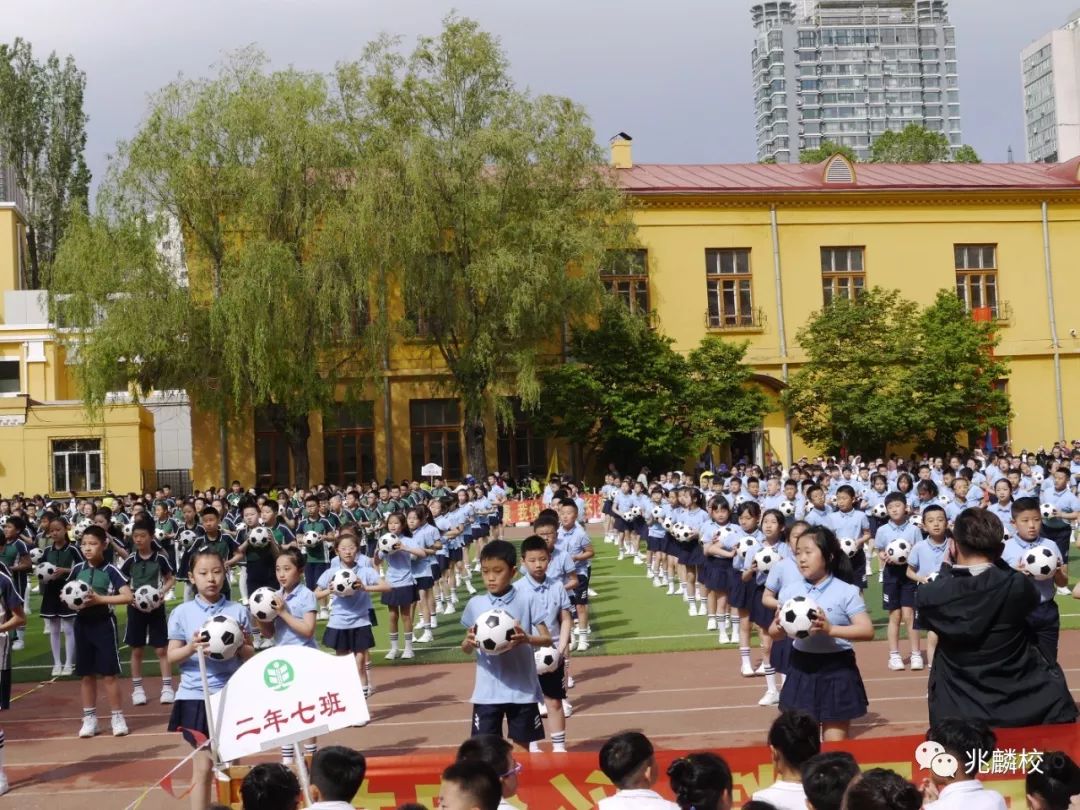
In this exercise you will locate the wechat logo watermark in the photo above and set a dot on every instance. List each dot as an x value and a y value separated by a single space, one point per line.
279 675
932 757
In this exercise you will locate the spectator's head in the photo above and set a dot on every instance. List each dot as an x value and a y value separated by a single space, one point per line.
1057 783
757 804
628 760
337 773
825 777
794 737
469 786
966 740
701 781
496 753
270 786
977 536
881 789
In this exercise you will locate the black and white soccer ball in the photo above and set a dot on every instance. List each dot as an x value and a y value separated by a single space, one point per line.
747 545
263 604
159 534
765 559
880 511
223 636
187 538
36 555
1047 510
386 543
74 594
668 522
944 500
343 582
46 572
932 576
916 521
127 529
494 631
849 546
786 508
898 550
797 616
1041 562
147 598
259 537
633 513
1037 476
79 529
547 660
311 539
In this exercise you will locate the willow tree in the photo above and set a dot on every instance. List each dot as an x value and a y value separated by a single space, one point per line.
486 209
249 163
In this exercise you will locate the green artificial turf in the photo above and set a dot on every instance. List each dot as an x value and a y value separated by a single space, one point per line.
628 616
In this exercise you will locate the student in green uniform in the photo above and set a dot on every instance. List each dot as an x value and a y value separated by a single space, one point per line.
146 566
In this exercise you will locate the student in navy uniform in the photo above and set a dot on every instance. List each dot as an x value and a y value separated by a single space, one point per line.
96 652
988 665
115 549
167 527
212 537
59 618
506 685
145 566
15 556
824 679
897 590
185 622
12 617
1044 620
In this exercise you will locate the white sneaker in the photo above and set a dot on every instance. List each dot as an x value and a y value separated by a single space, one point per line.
567 709
425 637
622 554
693 609
583 644
880 577
448 610
408 652
67 671
324 614
119 726
3 782
138 696
57 670
916 662
771 698
896 664
639 560
569 681
419 623
657 582
761 669
18 643
671 589
542 706
593 594
747 670
469 587
711 623
369 690
167 695
723 637
89 727
1060 592
391 654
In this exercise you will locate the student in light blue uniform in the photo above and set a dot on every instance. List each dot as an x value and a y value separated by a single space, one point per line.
690 554
1044 620
1001 506
656 556
741 594
925 560
847 521
425 536
773 539
207 572
716 571
624 500
506 685
403 593
817 511
446 592
824 679
1057 494
785 572
897 591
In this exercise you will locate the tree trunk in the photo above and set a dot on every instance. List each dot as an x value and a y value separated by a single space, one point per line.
297 431
475 449
32 255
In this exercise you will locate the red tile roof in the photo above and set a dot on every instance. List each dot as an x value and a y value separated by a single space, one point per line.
749 178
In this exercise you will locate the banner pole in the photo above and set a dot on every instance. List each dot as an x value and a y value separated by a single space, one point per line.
206 705
301 766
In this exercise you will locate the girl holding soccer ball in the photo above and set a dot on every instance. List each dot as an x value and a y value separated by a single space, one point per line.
824 679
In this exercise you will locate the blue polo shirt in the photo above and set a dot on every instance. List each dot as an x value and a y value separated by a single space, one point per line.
851 524
786 572
350 610
510 677
300 600
927 556
695 519
838 599
576 542
1016 548
1004 514
552 599
564 538
1063 500
817 517
741 562
782 549
424 537
184 620
890 531
399 564
658 511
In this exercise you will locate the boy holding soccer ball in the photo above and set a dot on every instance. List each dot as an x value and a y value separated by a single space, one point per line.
95 630
506 685
1022 548
147 567
897 591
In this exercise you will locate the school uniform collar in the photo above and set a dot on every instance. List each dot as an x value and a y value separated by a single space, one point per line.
207 607
506 599
965 786
821 586
538 586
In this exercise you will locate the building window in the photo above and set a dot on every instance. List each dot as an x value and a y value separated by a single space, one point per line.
625 274
76 465
349 443
727 286
976 277
435 425
520 451
9 376
843 273
271 453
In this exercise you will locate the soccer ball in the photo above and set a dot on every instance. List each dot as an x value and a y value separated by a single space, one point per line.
633 513
128 529
147 598
1040 562
1037 476
263 604
74 594
224 637
1048 510
386 543
36 555
494 631
932 576
259 537
80 529
46 572
159 534
916 521
897 551
880 511
311 539
786 508
797 614
547 660
746 545
765 559
1006 536
831 500
668 523
944 500
187 538
343 582
849 546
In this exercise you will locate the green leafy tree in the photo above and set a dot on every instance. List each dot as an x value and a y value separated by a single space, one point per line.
917 144
249 163
489 209
826 151
853 391
43 137
623 397
723 399
954 375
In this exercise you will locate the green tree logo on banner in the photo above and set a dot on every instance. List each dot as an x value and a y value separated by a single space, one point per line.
278 675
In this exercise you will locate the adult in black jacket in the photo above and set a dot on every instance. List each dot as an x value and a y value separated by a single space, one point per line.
987 665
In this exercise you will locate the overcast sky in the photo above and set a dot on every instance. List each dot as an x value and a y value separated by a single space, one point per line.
673 73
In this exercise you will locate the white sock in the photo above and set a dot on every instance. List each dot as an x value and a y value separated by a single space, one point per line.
770 678
68 626
54 640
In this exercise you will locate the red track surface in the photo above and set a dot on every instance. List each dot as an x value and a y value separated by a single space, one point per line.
681 700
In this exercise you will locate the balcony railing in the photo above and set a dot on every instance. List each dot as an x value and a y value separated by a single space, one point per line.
742 321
